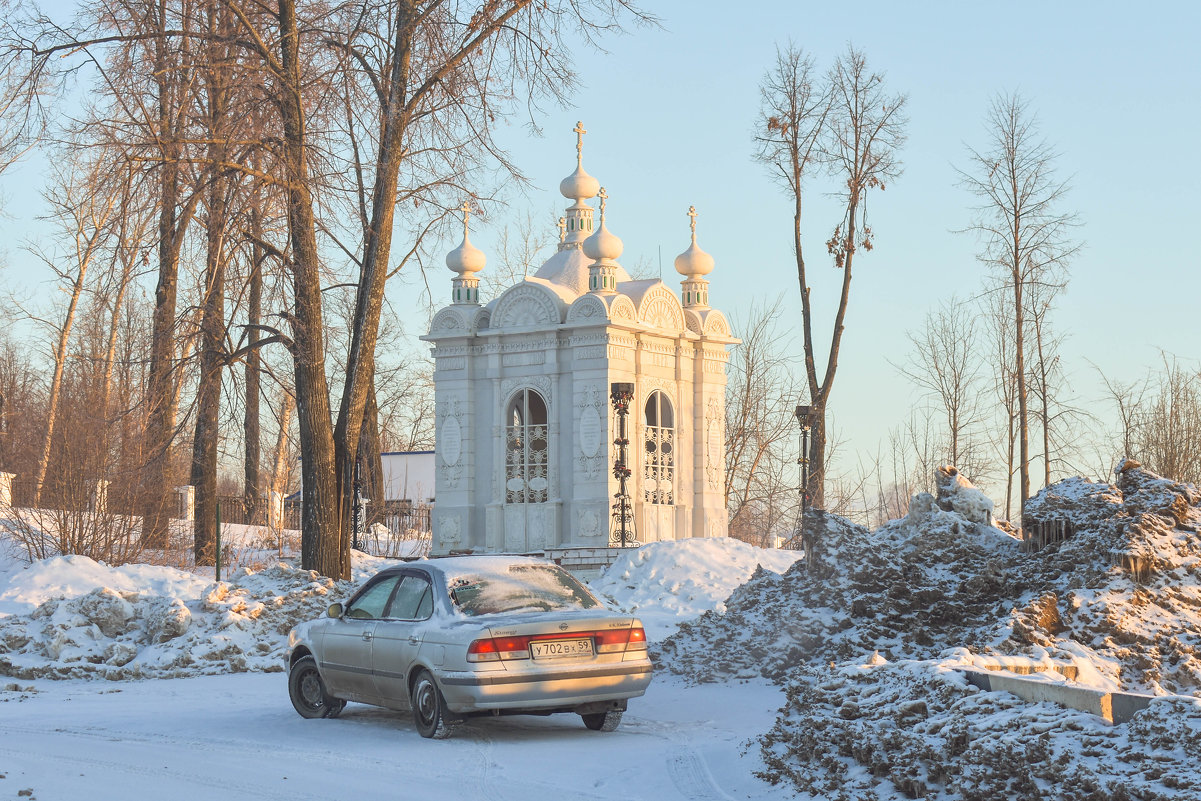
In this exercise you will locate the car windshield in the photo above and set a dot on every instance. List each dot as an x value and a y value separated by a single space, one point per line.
513 588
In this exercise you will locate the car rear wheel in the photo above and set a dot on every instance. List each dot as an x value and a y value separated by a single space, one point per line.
308 693
603 721
429 708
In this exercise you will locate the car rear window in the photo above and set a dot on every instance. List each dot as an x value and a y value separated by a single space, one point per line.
514 588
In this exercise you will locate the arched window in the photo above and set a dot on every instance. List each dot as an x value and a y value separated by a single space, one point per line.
659 467
526 449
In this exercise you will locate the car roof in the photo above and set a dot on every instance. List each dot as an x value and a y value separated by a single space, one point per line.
467 564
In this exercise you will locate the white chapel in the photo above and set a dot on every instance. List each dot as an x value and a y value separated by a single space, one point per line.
525 430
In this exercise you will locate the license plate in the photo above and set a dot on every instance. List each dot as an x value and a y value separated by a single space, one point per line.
557 649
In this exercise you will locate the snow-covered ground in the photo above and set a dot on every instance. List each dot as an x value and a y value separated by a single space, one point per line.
190 710
237 737
838 680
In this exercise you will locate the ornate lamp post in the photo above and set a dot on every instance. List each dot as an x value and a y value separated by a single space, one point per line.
623 517
803 418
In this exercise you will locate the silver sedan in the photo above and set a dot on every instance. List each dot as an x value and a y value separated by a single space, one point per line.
470 635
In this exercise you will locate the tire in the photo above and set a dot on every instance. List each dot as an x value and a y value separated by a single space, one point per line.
308 693
430 714
603 721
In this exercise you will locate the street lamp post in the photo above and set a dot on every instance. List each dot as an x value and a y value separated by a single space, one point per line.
803 419
621 396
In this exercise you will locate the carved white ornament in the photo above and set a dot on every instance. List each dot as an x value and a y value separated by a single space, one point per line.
452 426
714 445
587 523
525 305
450 529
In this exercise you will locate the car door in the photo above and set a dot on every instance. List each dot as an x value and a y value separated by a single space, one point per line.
398 638
347 645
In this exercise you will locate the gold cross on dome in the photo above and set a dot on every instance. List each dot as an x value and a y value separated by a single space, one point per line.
579 142
603 195
562 228
692 221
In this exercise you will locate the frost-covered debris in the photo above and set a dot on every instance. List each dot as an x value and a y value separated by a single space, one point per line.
233 626
937 580
917 729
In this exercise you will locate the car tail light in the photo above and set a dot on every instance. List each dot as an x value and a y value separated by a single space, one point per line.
620 640
495 649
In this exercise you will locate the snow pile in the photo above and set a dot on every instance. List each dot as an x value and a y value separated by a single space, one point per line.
70 576
97 622
937 580
667 582
917 729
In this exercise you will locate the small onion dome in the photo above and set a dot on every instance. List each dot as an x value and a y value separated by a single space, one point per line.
694 261
603 245
466 258
579 185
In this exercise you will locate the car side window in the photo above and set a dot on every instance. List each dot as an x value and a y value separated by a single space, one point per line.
371 604
414 599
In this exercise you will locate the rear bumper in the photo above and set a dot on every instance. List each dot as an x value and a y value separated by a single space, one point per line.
567 686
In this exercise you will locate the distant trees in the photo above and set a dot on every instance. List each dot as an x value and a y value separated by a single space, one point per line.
1026 240
760 470
1160 420
849 126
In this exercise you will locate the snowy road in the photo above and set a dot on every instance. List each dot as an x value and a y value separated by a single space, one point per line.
237 736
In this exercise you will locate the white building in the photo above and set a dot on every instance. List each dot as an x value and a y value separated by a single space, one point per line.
525 429
409 476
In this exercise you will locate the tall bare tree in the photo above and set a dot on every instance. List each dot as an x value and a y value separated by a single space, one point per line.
849 124
1025 237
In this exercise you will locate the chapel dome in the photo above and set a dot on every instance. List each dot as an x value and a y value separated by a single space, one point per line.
466 258
603 245
579 185
694 261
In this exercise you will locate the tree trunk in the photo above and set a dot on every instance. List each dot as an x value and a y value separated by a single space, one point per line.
251 428
56 383
322 513
208 393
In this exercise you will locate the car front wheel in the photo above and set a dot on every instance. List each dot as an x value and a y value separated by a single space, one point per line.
308 692
429 708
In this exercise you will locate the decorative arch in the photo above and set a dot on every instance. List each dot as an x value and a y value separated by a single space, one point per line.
588 309
623 309
661 308
483 318
694 321
716 325
526 304
448 320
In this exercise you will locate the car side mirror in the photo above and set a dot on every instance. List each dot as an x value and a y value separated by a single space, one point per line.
335 610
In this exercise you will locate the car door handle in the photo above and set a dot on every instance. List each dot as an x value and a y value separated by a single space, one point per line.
414 640
367 636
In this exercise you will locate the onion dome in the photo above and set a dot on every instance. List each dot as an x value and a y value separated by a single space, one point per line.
466 258
603 245
694 262
579 185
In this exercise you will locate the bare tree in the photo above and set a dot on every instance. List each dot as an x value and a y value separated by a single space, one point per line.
853 127
760 490
1025 238
945 364
82 210
1161 420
